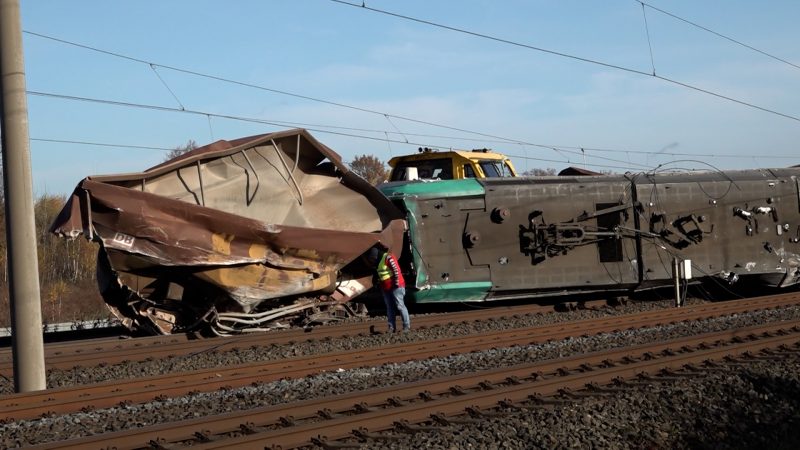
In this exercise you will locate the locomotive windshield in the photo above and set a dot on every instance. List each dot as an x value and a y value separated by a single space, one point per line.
441 168
495 169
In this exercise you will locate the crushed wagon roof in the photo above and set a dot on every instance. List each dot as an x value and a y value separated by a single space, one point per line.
258 218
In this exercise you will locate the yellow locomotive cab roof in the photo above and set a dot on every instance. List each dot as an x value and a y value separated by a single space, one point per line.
466 154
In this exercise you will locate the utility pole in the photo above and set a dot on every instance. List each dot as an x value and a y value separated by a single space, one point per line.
23 270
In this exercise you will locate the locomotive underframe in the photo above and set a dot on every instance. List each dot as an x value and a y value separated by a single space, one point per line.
482 240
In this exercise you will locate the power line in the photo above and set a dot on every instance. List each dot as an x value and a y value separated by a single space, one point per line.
153 65
322 129
649 44
538 145
102 144
492 38
166 86
493 138
263 88
696 25
566 55
605 166
706 155
724 97
284 125
277 124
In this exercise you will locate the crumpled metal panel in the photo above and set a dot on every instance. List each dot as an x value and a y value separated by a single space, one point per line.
231 227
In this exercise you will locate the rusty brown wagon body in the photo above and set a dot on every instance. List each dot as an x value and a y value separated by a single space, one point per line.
241 235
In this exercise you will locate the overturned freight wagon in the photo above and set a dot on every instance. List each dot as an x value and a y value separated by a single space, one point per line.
491 239
237 235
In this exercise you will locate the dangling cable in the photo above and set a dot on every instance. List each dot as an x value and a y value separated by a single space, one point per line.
395 127
152 66
388 144
647 31
210 128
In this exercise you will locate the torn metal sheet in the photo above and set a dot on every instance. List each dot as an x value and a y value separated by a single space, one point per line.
229 231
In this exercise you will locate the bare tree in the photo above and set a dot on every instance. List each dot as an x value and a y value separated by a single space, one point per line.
178 151
537 172
369 168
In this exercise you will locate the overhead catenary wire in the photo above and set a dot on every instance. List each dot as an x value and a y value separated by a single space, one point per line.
491 38
264 88
210 128
649 44
735 41
557 147
395 127
388 141
387 116
569 56
155 71
103 144
286 124
627 165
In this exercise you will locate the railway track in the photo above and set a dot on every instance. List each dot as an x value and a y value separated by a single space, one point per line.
136 390
364 415
400 348
65 355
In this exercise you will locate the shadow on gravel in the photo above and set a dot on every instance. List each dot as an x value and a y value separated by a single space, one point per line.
759 412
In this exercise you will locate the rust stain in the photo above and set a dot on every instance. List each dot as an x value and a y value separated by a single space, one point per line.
257 251
221 243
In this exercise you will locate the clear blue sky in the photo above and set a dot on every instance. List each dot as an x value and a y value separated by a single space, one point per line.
348 55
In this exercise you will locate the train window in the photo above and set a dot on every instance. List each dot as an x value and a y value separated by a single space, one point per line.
442 173
468 171
441 168
399 173
494 169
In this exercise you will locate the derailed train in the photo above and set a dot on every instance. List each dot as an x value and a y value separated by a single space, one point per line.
267 231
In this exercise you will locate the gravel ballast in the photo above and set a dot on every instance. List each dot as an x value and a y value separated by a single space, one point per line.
596 418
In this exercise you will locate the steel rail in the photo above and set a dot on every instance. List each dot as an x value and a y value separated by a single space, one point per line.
342 427
279 417
69 355
111 350
105 394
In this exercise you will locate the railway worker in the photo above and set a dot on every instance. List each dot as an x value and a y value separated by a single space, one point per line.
392 285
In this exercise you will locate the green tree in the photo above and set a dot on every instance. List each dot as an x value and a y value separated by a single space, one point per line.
369 168
180 150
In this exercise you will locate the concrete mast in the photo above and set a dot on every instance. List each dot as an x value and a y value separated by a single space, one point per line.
23 270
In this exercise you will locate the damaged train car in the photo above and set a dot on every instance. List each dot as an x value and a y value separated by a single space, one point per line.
238 235
491 239
265 231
